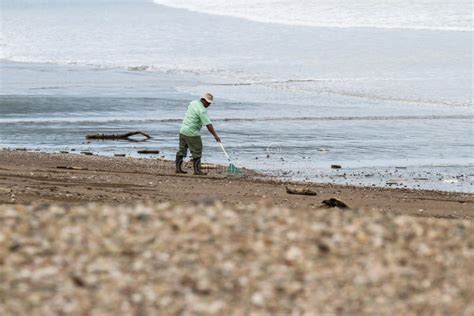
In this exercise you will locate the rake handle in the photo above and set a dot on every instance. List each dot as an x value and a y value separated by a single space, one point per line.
225 152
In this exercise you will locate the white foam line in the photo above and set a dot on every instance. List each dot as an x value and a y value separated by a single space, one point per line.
260 19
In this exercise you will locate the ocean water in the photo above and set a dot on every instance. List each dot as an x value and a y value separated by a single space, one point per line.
384 89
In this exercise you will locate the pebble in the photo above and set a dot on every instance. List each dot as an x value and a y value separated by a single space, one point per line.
216 259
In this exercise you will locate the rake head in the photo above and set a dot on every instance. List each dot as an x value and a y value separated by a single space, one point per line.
233 170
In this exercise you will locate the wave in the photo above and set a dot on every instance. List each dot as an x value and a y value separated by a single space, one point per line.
409 14
177 69
43 120
319 86
322 85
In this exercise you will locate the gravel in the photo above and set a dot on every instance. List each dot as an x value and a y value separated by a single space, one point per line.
168 259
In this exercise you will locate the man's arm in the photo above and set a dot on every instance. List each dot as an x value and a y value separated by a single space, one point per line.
211 130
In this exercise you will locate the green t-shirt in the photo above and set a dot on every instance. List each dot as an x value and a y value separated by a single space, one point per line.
195 118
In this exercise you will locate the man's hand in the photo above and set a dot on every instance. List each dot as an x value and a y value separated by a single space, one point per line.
218 139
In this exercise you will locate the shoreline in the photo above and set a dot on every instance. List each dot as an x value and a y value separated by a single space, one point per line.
281 177
34 177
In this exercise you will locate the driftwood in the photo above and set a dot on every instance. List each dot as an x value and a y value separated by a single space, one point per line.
303 191
125 136
332 202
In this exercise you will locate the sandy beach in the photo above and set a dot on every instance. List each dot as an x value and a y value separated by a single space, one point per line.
106 236
31 177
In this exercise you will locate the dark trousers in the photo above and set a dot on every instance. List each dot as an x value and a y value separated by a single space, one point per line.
194 143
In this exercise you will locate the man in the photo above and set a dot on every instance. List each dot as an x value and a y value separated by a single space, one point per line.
189 134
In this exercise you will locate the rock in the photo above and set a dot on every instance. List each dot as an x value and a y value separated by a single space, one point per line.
332 202
78 281
14 246
324 248
149 151
293 254
258 299
336 166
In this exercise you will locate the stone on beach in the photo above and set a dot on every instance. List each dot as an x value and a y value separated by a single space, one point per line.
332 202
221 260
149 151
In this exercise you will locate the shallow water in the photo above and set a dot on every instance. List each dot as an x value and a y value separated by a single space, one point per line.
425 142
291 99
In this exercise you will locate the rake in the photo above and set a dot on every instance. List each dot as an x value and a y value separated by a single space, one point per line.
231 169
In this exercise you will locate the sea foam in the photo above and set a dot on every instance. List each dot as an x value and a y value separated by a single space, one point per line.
405 14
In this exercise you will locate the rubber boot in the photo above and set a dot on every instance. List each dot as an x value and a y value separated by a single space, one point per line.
197 167
179 164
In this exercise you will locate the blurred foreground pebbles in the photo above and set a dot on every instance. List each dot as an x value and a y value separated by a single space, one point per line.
214 259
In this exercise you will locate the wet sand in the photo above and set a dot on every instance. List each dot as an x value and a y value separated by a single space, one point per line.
32 177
